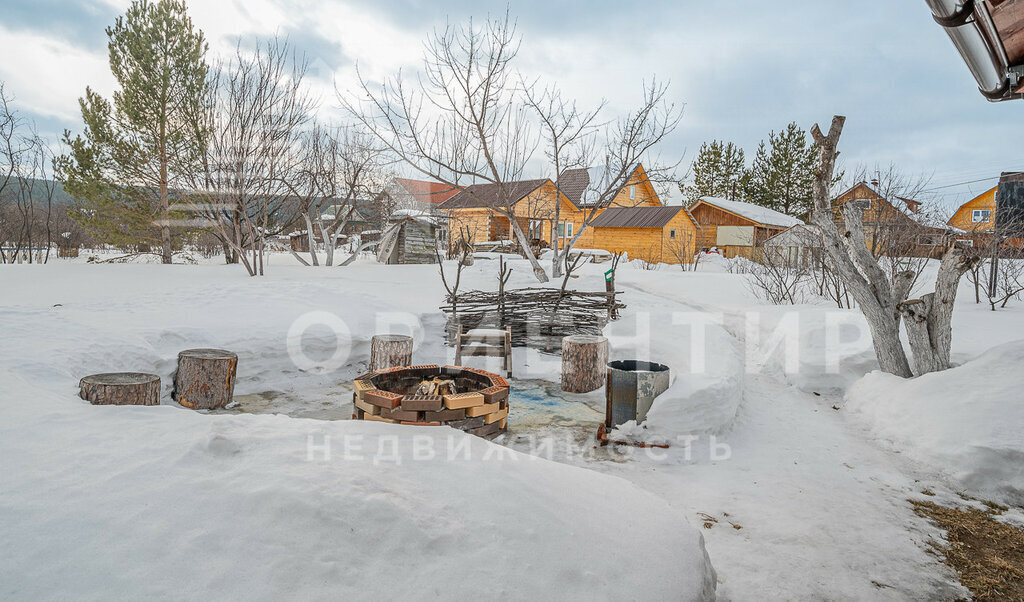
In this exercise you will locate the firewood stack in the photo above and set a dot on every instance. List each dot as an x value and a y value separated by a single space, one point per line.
471 400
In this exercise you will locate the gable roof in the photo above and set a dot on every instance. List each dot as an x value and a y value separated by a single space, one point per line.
974 202
583 186
752 212
636 217
426 191
905 210
489 195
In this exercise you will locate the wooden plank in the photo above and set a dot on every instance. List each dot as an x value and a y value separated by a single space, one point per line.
369 408
475 336
480 350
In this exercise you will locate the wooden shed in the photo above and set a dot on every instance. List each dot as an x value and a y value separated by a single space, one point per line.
653 234
737 228
410 237
800 246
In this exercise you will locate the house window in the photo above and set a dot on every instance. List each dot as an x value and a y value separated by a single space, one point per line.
864 204
632 193
568 229
565 229
672 233
981 216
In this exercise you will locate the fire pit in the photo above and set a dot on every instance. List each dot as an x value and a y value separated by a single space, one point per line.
471 400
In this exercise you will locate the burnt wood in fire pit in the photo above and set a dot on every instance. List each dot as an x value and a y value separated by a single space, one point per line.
468 399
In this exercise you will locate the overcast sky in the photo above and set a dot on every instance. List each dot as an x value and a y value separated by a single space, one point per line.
740 68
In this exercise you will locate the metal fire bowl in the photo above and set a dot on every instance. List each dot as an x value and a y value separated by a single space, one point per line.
631 388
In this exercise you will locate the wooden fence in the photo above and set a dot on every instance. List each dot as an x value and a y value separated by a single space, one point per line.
538 317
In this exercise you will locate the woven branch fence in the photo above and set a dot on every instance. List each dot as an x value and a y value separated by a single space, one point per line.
539 317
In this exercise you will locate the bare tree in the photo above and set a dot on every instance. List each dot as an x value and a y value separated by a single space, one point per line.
568 133
464 258
339 166
27 187
883 301
13 149
777 281
256 115
613 151
683 250
11 143
1009 282
459 122
974 276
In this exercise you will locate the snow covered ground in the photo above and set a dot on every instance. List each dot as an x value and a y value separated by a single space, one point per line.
799 492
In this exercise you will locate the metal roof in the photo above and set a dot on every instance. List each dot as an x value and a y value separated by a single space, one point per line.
492 195
636 217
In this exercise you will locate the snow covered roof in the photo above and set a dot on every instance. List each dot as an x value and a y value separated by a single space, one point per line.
756 213
416 214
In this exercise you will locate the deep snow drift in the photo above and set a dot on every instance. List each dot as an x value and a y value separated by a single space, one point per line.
134 502
806 505
966 422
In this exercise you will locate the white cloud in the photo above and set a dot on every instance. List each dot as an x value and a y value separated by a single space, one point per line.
47 75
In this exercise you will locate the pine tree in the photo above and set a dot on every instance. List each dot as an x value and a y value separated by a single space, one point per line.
136 147
782 174
719 170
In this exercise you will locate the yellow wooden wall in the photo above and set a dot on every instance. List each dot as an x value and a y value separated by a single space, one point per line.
650 244
645 195
962 218
478 221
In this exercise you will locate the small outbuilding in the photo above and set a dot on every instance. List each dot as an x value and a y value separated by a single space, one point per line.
737 228
654 234
411 236
800 246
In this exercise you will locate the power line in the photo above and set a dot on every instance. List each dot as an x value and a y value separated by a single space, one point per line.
961 184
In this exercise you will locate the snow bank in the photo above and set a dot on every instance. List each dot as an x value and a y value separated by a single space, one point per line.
705 362
966 423
157 502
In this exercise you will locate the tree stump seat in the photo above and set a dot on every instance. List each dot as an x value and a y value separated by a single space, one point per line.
584 361
205 379
121 389
390 351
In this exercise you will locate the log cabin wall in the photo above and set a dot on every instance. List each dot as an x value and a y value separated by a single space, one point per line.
477 221
638 192
638 243
679 239
710 217
674 243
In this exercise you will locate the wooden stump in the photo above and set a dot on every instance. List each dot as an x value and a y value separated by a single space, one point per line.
121 389
205 379
390 350
584 360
